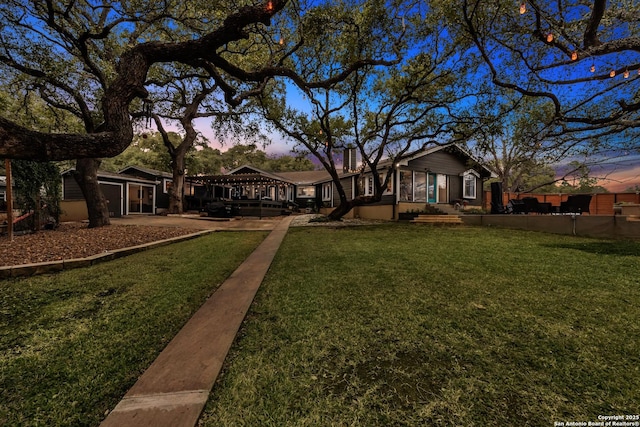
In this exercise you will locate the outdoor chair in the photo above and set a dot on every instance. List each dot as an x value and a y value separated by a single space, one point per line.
576 204
517 206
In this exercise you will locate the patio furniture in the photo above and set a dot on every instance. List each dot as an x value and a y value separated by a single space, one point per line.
576 204
517 206
532 205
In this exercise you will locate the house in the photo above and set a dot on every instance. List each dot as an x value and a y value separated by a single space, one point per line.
163 182
139 191
438 175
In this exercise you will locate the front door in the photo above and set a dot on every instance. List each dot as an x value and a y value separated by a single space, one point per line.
432 185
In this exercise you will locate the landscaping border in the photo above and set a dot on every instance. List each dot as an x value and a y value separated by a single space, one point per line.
25 270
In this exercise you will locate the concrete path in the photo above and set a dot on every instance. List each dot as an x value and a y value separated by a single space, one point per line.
174 389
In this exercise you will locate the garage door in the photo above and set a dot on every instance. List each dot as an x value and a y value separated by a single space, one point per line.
113 194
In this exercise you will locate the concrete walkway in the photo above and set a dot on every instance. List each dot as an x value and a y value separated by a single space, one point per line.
174 389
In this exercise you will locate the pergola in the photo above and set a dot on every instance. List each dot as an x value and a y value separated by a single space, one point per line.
247 185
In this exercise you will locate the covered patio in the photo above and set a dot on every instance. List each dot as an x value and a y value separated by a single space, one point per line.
253 192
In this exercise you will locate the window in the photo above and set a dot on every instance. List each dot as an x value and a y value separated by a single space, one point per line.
326 192
308 191
406 186
168 183
420 187
389 187
469 185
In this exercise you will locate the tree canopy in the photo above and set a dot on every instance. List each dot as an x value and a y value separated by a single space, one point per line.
581 59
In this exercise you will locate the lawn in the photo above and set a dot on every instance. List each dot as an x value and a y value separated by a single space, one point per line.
73 343
405 325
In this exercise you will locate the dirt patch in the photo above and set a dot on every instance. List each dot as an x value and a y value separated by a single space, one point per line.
76 240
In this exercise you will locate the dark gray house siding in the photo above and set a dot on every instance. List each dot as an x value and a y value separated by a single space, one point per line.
114 191
439 162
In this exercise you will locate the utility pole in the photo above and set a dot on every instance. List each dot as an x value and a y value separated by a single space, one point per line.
9 193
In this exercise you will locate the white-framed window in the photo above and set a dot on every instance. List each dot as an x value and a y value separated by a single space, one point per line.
326 192
469 183
166 185
389 188
406 186
308 191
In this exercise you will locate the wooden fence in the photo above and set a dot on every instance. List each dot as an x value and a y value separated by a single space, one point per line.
601 203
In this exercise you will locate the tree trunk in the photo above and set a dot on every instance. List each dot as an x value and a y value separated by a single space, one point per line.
177 189
341 210
87 178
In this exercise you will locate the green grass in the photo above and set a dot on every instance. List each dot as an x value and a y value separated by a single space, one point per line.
71 344
404 325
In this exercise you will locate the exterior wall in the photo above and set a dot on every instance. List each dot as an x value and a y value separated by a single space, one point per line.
327 211
622 227
71 189
383 212
438 162
411 206
73 210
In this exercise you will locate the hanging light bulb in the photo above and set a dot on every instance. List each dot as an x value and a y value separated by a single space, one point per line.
281 41
593 68
574 55
549 37
626 73
523 8
612 73
269 6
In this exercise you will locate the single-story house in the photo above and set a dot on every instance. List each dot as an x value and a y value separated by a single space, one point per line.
438 175
138 191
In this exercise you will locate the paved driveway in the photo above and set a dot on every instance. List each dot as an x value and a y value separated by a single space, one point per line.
199 223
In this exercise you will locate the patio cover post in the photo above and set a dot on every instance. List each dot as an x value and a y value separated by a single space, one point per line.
9 194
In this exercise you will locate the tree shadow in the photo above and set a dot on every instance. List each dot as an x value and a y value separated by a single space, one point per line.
617 248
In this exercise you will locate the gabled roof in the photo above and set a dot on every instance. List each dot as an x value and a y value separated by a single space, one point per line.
293 177
305 177
451 148
113 175
149 171
248 170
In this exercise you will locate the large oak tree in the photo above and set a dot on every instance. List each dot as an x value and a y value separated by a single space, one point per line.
93 58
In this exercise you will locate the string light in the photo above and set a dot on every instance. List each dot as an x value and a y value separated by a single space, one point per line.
281 41
574 54
269 6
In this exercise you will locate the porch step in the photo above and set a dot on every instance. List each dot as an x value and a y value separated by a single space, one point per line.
437 219
633 218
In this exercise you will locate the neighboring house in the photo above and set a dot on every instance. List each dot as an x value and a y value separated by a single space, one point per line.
439 175
126 194
163 182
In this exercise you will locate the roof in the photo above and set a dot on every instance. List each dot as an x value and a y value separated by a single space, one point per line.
449 148
113 175
149 171
305 177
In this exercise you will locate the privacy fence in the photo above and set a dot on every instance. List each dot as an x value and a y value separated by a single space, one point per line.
601 203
